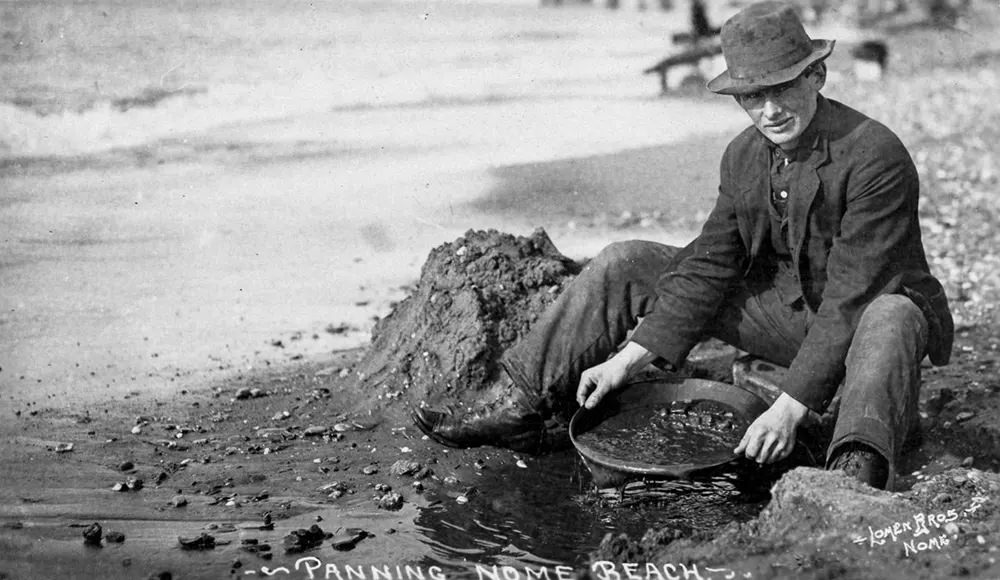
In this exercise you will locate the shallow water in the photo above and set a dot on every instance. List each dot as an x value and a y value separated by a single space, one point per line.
549 515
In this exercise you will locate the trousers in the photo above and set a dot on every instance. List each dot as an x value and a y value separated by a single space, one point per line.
593 316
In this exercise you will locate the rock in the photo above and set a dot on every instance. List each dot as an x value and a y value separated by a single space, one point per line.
417 486
126 466
347 539
370 469
451 480
179 501
951 528
256 393
134 483
201 542
92 535
404 467
942 498
114 537
968 461
520 463
390 501
273 433
243 393
137 429
302 539
964 416
63 447
314 431
382 488
343 427
281 416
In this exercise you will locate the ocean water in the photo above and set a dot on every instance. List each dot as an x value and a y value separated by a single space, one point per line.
87 77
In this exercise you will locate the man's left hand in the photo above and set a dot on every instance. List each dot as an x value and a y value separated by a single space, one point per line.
772 436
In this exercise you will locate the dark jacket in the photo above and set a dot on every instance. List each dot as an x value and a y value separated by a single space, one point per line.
854 236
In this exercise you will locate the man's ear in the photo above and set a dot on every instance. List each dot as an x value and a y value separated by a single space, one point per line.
817 75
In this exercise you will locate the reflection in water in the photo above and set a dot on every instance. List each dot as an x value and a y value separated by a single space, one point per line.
549 515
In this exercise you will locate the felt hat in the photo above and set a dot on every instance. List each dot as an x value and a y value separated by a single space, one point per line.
765 45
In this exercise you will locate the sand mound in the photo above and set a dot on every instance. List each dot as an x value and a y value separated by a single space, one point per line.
476 297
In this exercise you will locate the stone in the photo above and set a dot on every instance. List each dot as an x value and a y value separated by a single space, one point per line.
304 539
92 534
968 461
370 469
114 537
391 501
314 431
179 501
243 393
201 542
348 539
404 467
964 416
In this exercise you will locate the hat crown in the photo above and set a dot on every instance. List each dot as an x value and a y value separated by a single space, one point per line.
763 39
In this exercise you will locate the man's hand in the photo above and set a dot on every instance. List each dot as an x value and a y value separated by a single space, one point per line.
602 379
772 436
611 374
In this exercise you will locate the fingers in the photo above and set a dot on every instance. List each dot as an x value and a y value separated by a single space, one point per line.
598 394
587 382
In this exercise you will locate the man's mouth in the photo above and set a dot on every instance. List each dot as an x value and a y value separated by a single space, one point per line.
779 125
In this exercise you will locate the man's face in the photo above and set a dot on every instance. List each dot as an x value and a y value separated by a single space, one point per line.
783 112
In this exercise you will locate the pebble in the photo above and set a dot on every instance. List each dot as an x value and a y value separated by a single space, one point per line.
126 466
980 540
964 416
343 427
281 415
115 537
417 486
302 539
370 469
520 463
63 447
347 539
243 393
179 501
136 429
404 467
202 542
951 528
92 535
942 498
451 480
967 462
391 501
314 430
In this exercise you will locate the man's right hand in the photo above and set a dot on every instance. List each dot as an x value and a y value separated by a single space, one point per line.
598 381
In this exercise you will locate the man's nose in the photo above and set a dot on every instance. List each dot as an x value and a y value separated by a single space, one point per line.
771 107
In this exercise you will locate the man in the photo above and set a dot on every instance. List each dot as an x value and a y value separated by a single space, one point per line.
811 258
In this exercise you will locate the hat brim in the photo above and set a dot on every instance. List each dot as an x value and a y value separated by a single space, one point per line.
726 85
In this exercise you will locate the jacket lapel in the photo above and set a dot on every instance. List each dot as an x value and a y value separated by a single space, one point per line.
801 202
756 195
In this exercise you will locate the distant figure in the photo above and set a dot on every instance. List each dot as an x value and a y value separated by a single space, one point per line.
700 27
871 58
